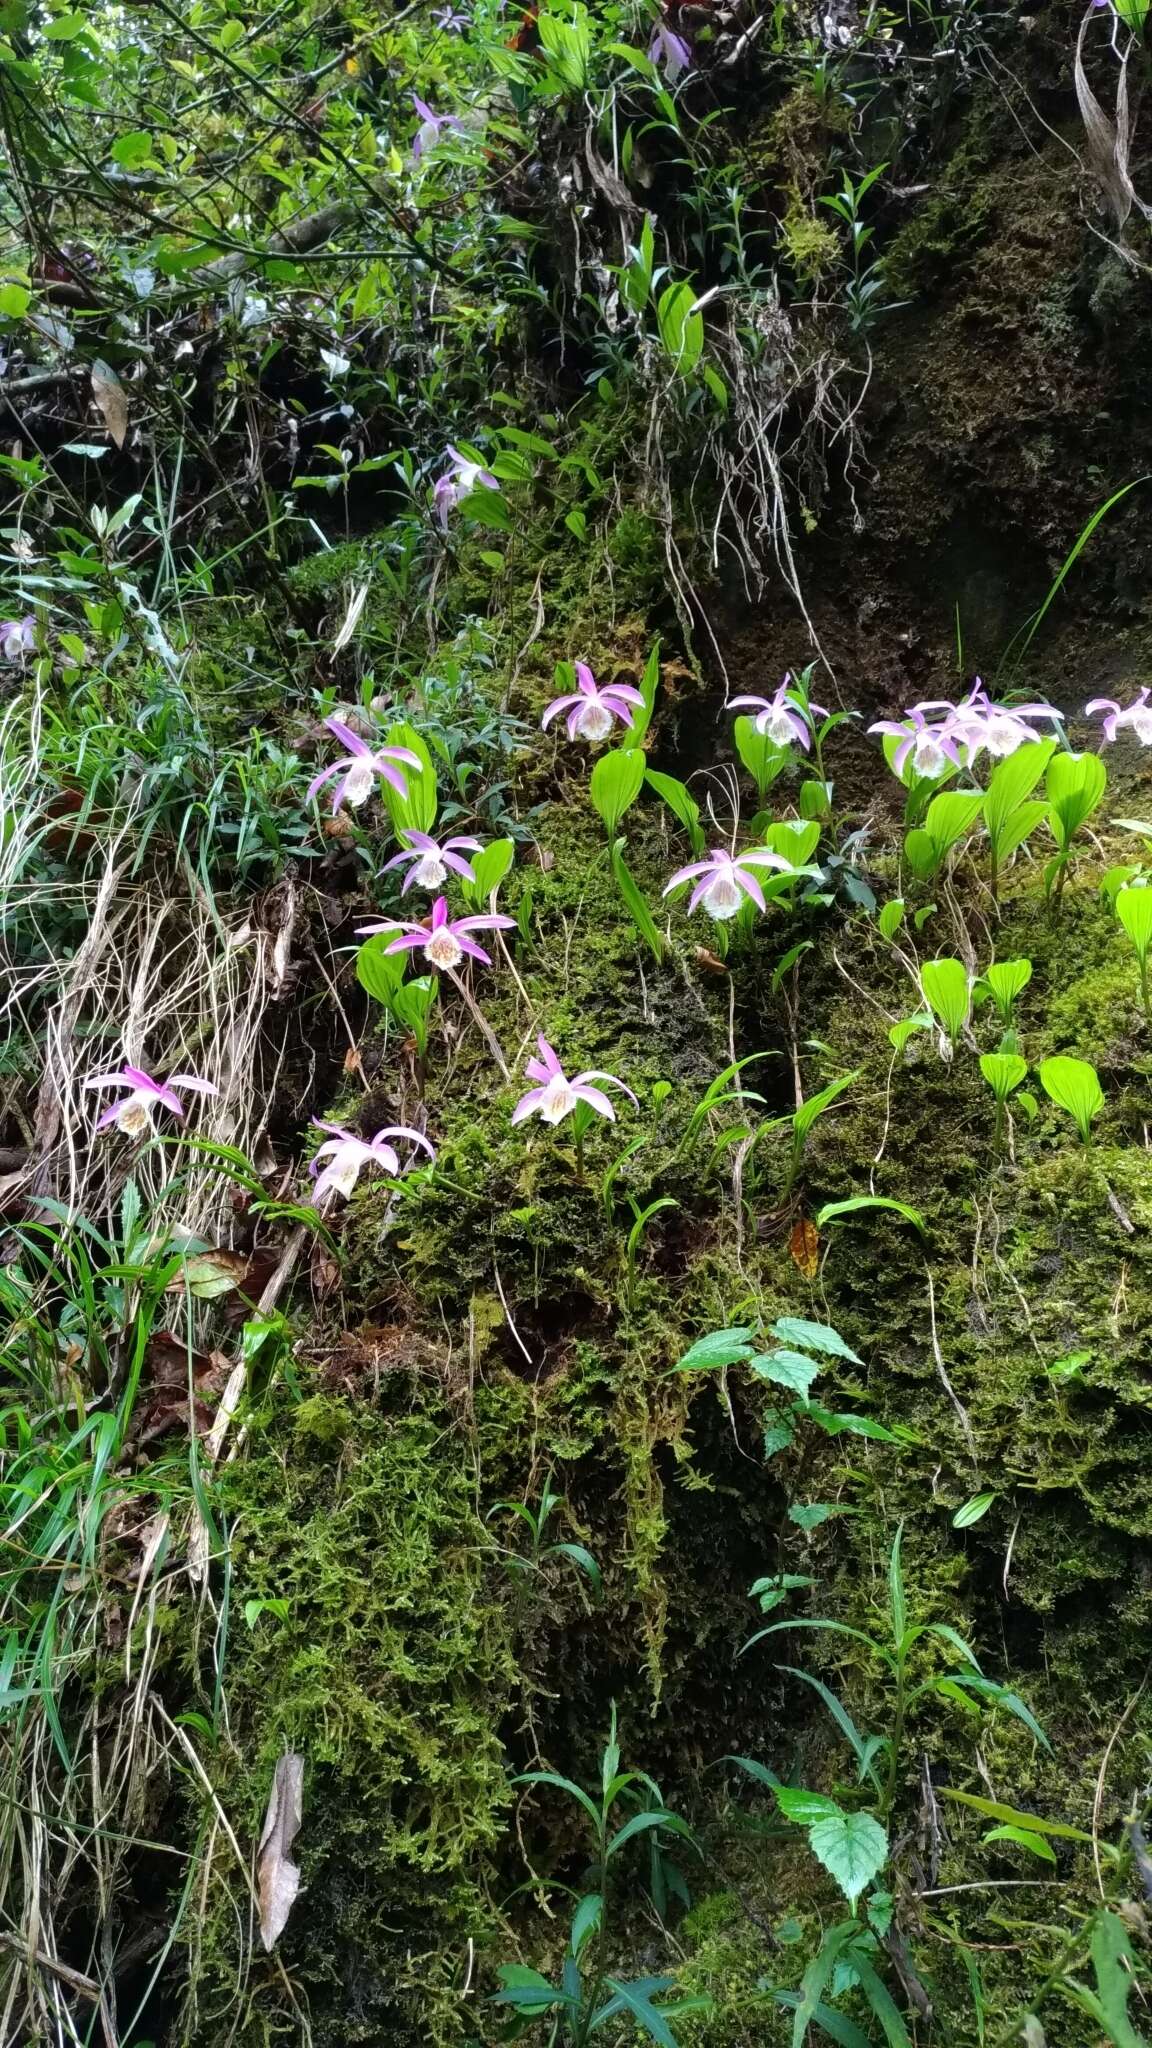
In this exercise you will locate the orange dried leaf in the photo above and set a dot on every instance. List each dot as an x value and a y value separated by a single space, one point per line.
804 1245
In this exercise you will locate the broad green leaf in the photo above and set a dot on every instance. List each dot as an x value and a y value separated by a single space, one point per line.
804 1807
813 1514
796 839
720 1347
585 1920
1113 1963
1073 1085
762 757
1005 980
1074 784
813 1337
947 993
416 810
852 1425
891 918
922 853
1014 779
950 816
899 1034
856 1203
791 1369
1025 1838
568 44
681 327
489 866
1003 1072
377 970
853 1847
816 1105
636 902
1019 827
1134 909
616 782
975 1509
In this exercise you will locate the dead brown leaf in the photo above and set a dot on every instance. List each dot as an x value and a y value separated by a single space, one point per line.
111 399
709 961
278 1876
804 1245
325 1273
208 1274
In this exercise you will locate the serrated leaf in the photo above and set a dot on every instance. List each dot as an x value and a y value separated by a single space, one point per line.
853 1847
806 1336
719 1348
805 1808
791 1369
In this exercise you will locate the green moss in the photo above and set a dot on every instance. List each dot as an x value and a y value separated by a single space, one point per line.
390 1674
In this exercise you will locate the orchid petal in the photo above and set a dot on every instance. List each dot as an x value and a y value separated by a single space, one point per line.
347 737
595 1098
750 886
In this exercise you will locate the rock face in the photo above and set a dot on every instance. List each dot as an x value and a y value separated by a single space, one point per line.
477 1516
505 1339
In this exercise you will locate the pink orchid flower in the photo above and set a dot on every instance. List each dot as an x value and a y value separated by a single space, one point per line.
133 1113
360 765
591 711
430 860
349 1155
457 482
980 725
557 1096
725 881
929 747
780 718
431 123
18 637
444 940
1137 717
670 51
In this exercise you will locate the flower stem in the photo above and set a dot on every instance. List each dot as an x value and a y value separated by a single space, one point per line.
479 1018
